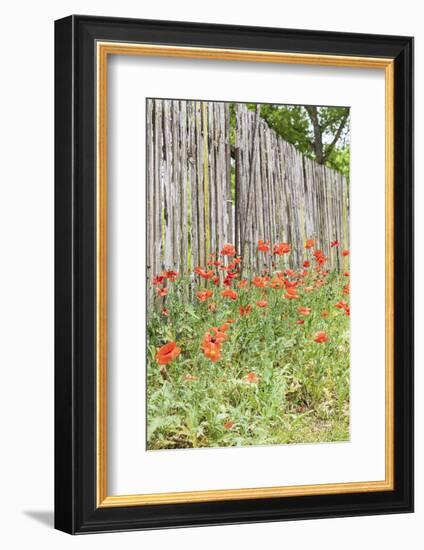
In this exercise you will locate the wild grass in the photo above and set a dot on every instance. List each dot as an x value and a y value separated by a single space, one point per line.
274 381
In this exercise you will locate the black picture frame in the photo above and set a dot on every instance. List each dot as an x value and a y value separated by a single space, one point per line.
76 510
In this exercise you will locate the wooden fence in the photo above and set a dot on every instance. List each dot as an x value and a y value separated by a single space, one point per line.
282 196
279 194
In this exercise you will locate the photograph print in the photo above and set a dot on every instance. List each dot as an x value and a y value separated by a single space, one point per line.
248 283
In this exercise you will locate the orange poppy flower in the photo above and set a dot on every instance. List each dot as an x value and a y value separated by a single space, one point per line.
229 293
321 337
228 250
170 275
276 283
217 337
204 295
325 314
259 282
291 293
263 246
165 311
304 310
346 274
167 353
346 289
282 248
212 351
319 257
245 310
158 280
251 378
204 274
345 252
162 291
341 304
242 283
300 322
228 425
262 303
310 243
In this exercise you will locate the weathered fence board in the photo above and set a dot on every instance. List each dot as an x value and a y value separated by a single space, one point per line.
280 195
294 198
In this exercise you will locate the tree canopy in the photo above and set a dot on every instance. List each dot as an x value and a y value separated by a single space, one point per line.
320 133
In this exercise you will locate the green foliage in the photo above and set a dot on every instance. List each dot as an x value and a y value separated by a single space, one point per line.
302 390
340 161
295 125
292 123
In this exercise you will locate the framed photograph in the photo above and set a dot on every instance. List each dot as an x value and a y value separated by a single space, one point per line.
234 269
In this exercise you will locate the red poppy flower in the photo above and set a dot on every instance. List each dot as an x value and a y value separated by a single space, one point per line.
345 252
212 351
310 243
215 280
263 246
245 310
282 248
346 289
204 274
162 291
262 303
321 337
217 337
251 378
259 282
291 293
204 295
228 250
341 304
167 353
304 310
325 314
319 257
277 283
306 263
334 243
170 275
346 274
229 293
165 311
158 280
300 322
